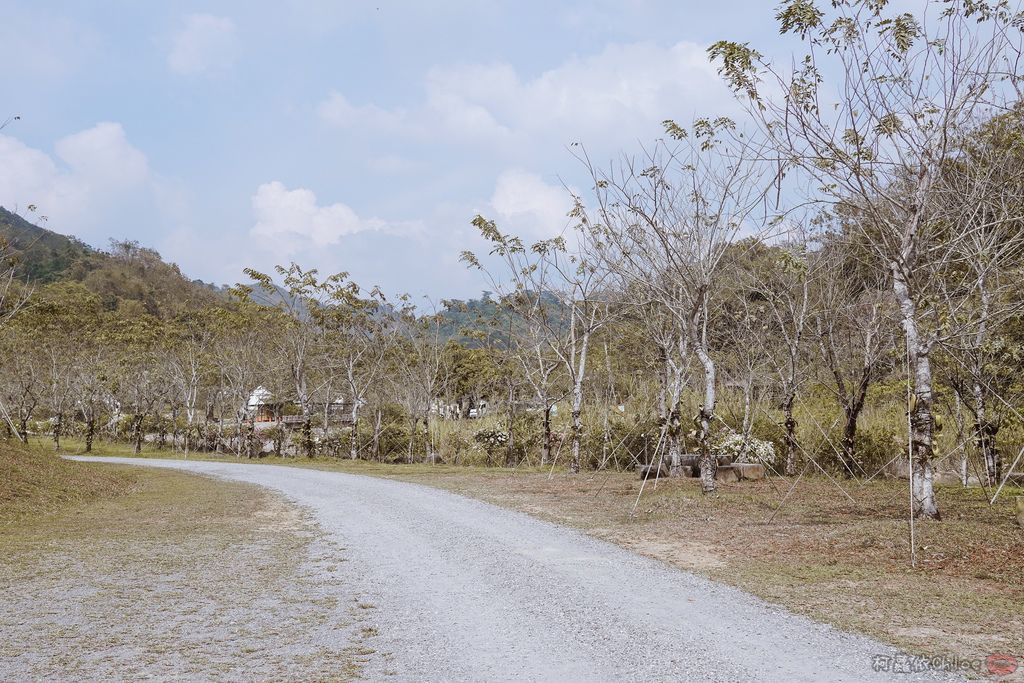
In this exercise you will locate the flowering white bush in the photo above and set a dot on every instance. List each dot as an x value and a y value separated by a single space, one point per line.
491 439
745 450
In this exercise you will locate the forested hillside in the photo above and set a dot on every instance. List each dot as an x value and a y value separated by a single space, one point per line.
128 276
42 255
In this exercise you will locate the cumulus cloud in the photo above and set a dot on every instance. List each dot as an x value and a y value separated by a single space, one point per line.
527 205
623 90
292 219
94 171
206 44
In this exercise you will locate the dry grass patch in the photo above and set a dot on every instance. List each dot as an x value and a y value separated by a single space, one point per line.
180 577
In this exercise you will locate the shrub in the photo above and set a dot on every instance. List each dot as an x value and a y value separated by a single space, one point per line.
745 450
492 440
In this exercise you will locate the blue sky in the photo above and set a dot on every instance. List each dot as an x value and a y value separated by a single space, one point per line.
358 136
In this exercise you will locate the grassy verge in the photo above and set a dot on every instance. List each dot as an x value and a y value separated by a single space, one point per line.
111 572
35 482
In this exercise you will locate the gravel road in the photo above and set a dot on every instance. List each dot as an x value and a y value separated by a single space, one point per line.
467 591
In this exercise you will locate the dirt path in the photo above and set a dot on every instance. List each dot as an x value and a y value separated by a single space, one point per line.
466 591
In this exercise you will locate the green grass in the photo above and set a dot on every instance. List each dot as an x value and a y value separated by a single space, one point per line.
35 482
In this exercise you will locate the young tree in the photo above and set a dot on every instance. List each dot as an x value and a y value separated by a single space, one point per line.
421 363
187 346
780 278
531 344
561 292
853 324
22 381
140 384
360 344
984 186
663 222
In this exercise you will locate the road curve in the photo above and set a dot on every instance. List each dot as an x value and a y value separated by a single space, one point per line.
471 592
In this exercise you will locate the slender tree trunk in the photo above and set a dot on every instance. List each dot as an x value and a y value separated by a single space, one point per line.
57 424
985 429
545 446
90 432
174 428
674 427
431 455
577 433
307 436
510 446
577 422
848 445
376 434
278 433
23 429
708 461
250 439
138 433
577 404
922 425
353 446
790 438
922 421
985 433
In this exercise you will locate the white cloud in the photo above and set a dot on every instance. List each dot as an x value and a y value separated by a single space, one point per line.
95 171
103 156
623 91
206 44
526 205
291 220
338 111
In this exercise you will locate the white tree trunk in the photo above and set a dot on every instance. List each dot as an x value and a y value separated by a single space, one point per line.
922 421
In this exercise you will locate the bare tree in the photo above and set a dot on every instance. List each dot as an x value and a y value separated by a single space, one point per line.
303 299
187 346
780 279
576 305
910 88
854 329
663 221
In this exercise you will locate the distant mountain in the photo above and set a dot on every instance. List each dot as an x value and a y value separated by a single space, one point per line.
129 276
485 322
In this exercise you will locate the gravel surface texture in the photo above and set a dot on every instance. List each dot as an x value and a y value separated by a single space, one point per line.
463 590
